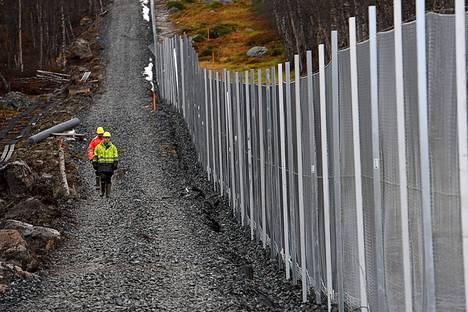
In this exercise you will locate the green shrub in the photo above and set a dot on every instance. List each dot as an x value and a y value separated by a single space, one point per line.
199 38
177 5
214 5
206 52
220 30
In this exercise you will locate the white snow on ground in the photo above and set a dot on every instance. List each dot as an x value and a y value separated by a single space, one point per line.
148 73
146 10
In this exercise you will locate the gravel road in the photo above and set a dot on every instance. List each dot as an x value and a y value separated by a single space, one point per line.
152 246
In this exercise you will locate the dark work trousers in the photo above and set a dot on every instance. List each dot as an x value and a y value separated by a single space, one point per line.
106 179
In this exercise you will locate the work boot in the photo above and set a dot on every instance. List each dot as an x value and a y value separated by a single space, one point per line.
108 190
103 188
98 183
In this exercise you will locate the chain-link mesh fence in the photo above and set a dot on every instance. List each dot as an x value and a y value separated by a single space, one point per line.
247 138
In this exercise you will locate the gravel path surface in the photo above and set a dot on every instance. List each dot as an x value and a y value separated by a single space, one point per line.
152 246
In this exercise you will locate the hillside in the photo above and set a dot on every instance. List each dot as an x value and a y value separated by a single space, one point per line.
223 32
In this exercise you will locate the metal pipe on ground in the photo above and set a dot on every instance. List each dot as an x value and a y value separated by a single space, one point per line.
64 126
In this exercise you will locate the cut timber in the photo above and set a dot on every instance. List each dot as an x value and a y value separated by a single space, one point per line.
77 91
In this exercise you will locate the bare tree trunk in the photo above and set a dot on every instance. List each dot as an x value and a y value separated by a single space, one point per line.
63 173
64 37
5 83
20 31
41 34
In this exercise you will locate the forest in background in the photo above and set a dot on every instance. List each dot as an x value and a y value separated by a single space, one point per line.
35 33
304 24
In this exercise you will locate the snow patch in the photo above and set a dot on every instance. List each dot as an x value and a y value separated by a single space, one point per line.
145 10
148 73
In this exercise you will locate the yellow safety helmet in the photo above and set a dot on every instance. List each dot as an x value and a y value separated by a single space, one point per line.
107 134
100 130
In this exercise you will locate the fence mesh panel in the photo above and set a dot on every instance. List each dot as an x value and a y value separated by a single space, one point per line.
210 121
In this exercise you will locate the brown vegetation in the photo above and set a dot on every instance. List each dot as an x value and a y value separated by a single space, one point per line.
223 33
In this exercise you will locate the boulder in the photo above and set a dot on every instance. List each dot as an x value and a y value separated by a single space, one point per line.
40 239
257 51
16 178
16 100
32 210
81 49
14 249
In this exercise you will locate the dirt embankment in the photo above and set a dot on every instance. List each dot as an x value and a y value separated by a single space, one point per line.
31 189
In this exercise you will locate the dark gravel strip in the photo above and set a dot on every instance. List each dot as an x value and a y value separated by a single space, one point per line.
149 248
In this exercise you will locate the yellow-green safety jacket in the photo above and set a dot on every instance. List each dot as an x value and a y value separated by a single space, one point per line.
106 157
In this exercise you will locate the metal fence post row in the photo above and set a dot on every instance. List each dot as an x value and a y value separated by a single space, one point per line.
314 243
269 163
255 148
213 130
284 189
403 190
261 144
208 126
337 168
429 282
231 147
381 302
357 163
300 183
326 190
249 152
240 144
290 170
462 130
218 131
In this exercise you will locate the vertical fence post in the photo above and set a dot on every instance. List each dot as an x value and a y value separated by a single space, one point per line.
268 161
429 281
226 163
283 170
402 171
337 168
262 156
357 162
220 151
300 182
292 193
276 204
182 71
249 152
213 130
313 173
462 130
231 145
381 302
240 143
326 191
207 124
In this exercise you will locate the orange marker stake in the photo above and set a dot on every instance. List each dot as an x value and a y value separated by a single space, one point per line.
154 102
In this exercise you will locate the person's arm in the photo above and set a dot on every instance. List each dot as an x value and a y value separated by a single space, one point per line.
116 158
91 148
95 157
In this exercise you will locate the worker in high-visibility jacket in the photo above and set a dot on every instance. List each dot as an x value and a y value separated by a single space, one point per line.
105 161
92 145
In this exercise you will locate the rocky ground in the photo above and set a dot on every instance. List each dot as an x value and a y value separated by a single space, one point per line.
31 189
165 241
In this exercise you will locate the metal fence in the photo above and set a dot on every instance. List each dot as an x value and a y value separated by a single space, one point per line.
351 175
